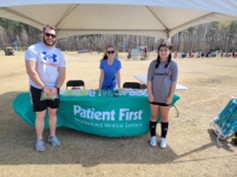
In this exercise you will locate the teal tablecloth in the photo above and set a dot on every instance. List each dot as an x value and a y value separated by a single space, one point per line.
101 114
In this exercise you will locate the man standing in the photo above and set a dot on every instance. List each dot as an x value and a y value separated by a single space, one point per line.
45 67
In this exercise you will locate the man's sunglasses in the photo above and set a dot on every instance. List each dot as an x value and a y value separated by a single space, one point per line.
48 35
110 52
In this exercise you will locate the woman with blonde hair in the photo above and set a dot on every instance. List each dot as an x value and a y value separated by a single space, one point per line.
109 70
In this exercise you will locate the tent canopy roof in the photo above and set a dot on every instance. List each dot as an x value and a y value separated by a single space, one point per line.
162 18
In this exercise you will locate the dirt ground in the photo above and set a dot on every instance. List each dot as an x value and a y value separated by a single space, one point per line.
192 149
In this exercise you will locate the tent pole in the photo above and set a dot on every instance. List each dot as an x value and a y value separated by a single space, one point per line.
168 36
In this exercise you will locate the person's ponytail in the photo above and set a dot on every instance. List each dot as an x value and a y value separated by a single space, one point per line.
105 57
169 60
157 62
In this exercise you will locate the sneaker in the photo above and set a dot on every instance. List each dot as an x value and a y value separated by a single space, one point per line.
54 141
162 143
39 145
153 141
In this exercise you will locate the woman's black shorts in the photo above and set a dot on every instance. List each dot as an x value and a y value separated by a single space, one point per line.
160 104
38 105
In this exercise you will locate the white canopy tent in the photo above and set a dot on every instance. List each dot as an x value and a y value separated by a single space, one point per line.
163 18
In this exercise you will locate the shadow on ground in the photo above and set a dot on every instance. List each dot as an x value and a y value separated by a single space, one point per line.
17 140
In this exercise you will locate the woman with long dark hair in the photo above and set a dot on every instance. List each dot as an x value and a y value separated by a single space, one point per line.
161 84
109 70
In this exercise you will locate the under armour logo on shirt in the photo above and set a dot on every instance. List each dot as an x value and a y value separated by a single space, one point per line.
47 57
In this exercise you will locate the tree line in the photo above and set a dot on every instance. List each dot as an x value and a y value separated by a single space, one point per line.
204 37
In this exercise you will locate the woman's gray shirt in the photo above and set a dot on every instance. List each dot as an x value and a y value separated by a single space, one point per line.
161 79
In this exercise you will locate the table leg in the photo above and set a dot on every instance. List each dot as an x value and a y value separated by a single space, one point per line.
176 110
235 138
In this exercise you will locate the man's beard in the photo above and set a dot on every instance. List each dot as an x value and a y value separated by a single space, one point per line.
45 42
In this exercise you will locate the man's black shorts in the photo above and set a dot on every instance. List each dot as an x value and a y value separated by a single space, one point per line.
38 105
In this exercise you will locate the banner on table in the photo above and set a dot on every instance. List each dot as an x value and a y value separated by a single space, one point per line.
109 116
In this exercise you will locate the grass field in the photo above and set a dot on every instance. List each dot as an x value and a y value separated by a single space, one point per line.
192 149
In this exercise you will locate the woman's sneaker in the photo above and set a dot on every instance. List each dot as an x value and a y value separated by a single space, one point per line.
153 141
39 145
162 143
54 141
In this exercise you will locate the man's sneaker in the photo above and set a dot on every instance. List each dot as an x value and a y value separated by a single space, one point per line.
162 143
39 145
153 141
54 141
